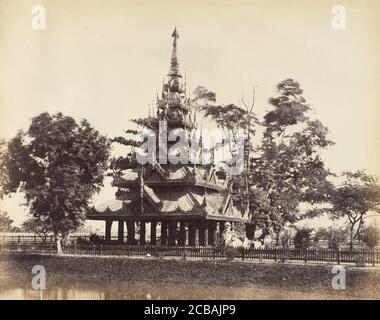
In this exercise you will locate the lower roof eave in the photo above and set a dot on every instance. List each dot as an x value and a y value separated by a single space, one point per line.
169 217
227 218
170 183
147 217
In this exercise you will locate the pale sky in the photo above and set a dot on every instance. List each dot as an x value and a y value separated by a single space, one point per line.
105 61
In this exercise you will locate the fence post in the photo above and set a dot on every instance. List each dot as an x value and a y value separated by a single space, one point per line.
75 247
243 254
338 252
94 249
101 249
306 255
275 254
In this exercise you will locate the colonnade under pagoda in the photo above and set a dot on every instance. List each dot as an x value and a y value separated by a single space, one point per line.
181 233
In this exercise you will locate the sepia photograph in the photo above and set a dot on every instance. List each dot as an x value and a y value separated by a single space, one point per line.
189 150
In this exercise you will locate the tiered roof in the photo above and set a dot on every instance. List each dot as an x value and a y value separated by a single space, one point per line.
166 191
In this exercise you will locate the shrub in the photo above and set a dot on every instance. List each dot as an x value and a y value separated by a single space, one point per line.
285 238
370 237
302 238
95 239
335 237
360 260
82 242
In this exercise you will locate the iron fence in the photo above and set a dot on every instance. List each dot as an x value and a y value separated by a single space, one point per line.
364 256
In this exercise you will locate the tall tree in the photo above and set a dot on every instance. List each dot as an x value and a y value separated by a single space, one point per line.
59 165
287 168
236 121
354 199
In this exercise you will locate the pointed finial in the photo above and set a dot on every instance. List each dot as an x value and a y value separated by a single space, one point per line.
175 34
174 69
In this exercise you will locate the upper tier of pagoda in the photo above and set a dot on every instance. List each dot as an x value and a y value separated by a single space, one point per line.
173 105
174 108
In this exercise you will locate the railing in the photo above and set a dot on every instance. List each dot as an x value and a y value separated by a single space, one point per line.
32 239
275 254
364 256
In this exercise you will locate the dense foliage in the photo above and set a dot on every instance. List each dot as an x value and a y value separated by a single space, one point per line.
59 165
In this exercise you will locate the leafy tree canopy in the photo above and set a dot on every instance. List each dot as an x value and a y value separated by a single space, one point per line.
287 168
5 222
354 198
3 167
59 165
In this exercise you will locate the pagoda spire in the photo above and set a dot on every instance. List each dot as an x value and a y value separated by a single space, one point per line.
174 67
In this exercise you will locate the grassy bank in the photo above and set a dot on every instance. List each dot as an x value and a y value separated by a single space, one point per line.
123 278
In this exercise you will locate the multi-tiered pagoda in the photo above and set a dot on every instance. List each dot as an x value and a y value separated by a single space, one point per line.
182 204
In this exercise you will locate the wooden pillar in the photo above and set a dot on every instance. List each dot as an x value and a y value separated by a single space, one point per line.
153 229
131 232
108 231
142 232
202 233
172 232
191 234
186 239
221 230
205 231
212 233
196 233
120 232
164 233
182 233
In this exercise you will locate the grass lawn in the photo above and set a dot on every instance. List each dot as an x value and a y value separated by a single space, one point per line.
71 277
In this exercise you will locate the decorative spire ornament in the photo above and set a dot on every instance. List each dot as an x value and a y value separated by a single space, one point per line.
174 68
